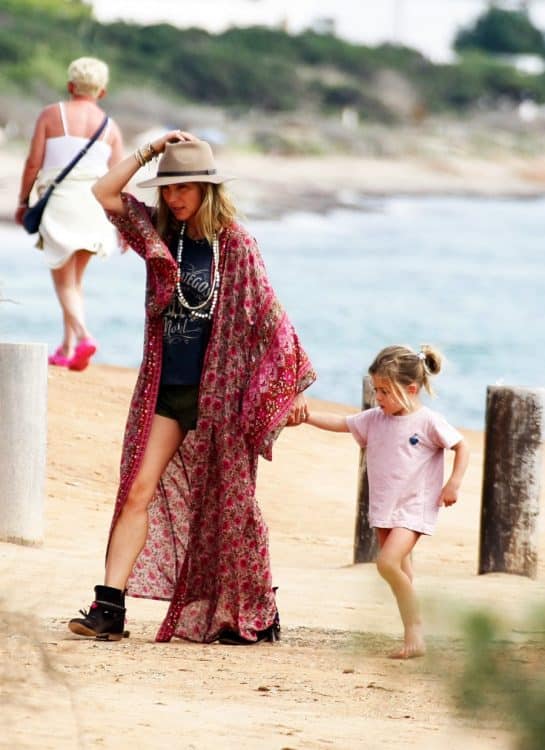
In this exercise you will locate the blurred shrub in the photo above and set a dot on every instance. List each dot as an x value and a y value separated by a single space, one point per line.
505 680
500 31
64 9
479 81
247 69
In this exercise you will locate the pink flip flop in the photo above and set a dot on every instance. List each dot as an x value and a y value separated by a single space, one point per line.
58 358
84 351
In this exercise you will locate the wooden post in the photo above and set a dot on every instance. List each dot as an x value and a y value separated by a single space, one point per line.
23 420
513 467
365 543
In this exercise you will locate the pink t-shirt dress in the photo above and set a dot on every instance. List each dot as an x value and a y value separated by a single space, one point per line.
405 464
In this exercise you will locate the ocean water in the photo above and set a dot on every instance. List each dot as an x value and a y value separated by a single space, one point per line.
464 274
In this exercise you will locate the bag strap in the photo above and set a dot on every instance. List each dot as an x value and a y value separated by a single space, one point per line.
69 167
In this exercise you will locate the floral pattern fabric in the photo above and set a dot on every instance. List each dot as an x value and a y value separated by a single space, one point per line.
207 545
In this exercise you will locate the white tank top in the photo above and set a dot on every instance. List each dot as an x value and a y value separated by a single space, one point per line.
61 150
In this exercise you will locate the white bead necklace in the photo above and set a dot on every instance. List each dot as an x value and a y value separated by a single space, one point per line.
196 311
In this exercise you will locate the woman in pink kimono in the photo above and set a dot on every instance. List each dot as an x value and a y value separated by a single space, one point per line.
222 373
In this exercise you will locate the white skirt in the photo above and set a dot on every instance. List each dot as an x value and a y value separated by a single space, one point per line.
73 219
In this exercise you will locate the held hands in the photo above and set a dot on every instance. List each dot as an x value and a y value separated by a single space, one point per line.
298 412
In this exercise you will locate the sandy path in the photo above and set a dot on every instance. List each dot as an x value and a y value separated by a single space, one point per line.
325 685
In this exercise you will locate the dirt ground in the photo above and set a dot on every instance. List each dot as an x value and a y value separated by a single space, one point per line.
325 685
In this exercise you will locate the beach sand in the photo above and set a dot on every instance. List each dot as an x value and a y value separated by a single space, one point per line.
270 185
326 684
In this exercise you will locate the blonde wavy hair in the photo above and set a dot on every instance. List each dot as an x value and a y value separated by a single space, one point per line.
401 366
216 212
89 76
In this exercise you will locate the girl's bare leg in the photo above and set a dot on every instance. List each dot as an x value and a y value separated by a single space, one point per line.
130 532
394 565
406 564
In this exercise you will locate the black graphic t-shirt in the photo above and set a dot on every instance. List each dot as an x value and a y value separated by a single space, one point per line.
185 337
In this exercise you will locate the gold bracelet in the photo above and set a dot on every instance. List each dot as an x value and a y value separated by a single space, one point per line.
144 154
148 152
139 158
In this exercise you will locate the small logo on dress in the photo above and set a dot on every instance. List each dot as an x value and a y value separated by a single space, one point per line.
413 440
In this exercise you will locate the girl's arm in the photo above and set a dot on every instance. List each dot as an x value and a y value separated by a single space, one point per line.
108 188
449 493
327 421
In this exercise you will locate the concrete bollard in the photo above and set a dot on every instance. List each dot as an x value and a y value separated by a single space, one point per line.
365 542
513 469
23 435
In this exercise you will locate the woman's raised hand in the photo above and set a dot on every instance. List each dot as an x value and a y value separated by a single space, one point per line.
108 188
173 136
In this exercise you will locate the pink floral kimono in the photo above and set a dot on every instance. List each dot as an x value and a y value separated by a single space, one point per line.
207 546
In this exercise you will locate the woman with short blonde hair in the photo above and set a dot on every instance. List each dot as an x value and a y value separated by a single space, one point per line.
89 76
73 226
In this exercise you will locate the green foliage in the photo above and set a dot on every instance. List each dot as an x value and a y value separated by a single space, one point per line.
38 38
478 79
241 68
335 98
56 9
505 680
500 31
357 60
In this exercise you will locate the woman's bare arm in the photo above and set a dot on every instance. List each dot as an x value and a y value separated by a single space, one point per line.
33 163
108 188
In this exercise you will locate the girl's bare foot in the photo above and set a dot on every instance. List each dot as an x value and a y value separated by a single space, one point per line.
413 646
408 652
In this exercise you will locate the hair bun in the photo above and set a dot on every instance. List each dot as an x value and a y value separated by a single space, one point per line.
432 359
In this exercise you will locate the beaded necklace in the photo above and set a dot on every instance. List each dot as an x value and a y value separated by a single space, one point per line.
196 311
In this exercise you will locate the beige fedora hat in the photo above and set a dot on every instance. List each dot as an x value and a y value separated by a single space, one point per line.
186 161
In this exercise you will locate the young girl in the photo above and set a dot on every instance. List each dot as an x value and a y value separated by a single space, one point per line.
405 443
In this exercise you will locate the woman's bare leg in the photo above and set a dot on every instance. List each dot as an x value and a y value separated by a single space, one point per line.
131 529
82 258
393 564
67 283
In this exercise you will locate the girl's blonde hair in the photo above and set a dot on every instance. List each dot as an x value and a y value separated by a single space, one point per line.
216 212
89 76
401 366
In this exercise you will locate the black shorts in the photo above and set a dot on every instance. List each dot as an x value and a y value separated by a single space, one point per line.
179 402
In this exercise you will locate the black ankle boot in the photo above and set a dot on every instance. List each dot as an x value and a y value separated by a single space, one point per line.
270 634
105 619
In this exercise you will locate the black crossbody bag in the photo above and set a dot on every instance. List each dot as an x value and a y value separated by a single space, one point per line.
33 215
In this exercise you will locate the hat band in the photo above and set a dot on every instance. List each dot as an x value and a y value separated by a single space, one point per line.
187 174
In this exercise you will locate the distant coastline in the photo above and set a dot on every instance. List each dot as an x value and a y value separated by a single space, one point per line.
270 185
